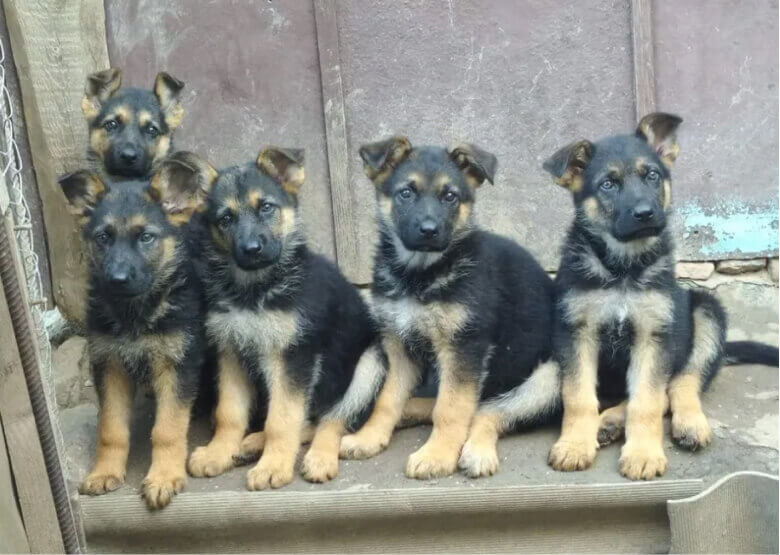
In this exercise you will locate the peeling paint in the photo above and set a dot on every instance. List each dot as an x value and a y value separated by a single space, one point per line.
731 227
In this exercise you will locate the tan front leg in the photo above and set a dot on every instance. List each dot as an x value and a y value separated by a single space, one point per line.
455 406
321 462
642 456
113 434
234 403
402 375
282 430
479 456
690 428
167 475
576 447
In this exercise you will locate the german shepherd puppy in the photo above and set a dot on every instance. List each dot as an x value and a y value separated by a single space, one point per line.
623 327
472 305
130 130
144 320
289 328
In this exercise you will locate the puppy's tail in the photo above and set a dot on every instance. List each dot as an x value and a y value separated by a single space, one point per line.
750 352
534 401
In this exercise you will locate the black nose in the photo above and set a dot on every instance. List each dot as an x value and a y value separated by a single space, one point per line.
252 248
428 228
128 155
643 212
119 277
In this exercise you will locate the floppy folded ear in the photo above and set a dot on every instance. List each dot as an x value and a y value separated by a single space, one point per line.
285 165
83 189
380 158
181 185
477 164
569 163
167 89
660 131
99 88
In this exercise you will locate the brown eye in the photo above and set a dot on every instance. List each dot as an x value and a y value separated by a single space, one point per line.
406 193
225 221
607 185
653 176
110 125
102 238
146 238
152 131
267 208
450 196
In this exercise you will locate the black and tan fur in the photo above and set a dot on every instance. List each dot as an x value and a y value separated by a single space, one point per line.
472 305
623 327
130 130
144 320
292 333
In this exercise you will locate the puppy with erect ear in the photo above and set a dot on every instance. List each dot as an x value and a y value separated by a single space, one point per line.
616 281
144 313
475 304
130 129
284 165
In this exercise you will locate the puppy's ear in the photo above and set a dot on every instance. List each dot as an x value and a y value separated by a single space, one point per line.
181 185
477 164
83 189
380 158
99 88
660 131
285 165
569 163
167 89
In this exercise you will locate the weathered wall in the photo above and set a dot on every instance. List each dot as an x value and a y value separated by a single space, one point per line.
518 78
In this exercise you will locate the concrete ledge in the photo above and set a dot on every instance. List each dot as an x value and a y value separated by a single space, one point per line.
620 517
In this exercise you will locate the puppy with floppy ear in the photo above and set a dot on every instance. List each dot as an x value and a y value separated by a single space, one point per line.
130 130
144 316
447 292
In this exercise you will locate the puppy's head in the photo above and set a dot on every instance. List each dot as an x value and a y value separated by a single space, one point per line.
130 129
252 209
426 194
132 230
621 185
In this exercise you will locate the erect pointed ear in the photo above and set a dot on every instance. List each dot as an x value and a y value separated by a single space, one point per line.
660 131
83 189
285 165
167 89
477 164
380 158
99 88
569 163
181 185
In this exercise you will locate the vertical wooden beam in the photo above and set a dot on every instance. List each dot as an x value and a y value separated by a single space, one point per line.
644 63
27 464
345 213
55 46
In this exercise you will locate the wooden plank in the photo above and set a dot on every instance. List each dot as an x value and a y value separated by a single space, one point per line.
644 62
13 538
345 216
32 483
55 46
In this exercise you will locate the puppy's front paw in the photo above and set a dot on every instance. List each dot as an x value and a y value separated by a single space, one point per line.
362 445
320 466
567 455
210 461
431 461
478 459
98 483
691 431
271 471
159 487
641 461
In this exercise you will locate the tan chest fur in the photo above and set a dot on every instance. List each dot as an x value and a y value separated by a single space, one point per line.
436 321
267 331
647 311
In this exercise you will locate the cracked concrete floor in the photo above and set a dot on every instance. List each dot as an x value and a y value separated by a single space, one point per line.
742 405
